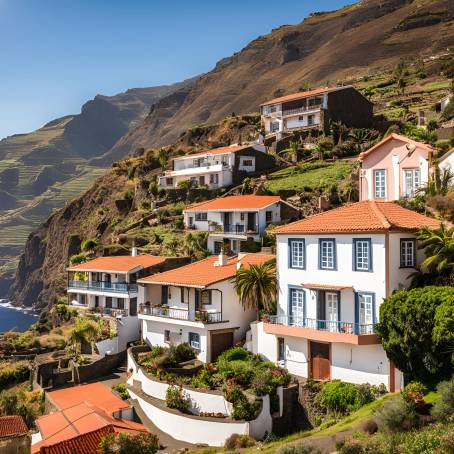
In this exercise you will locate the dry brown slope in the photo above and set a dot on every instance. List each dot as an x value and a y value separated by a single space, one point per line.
359 39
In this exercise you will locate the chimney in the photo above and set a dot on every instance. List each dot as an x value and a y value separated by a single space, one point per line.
240 257
222 260
134 252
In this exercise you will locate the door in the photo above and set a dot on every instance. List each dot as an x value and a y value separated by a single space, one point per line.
164 294
296 307
251 222
109 302
321 310
202 180
220 342
332 309
366 313
133 306
320 363
227 221
234 246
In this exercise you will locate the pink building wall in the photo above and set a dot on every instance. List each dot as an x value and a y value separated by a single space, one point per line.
393 155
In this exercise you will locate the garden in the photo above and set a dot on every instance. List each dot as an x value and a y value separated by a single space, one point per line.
241 376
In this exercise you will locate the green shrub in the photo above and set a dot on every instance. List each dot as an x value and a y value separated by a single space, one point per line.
128 195
122 391
12 373
177 399
413 391
77 258
298 448
235 354
145 205
184 184
89 245
443 407
338 396
397 416
123 443
237 441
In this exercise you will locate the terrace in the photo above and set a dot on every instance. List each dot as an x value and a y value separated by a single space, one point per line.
204 316
103 286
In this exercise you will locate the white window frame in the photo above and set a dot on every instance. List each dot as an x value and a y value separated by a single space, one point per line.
380 183
297 252
327 253
407 253
192 343
362 254
412 181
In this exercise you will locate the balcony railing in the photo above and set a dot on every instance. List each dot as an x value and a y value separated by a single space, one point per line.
114 312
239 228
103 286
181 314
321 325
299 110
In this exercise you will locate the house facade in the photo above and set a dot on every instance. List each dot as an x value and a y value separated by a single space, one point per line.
234 220
315 109
394 168
217 168
197 304
108 286
334 269
447 161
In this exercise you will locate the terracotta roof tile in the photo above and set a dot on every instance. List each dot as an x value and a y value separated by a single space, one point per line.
118 263
399 137
303 94
236 202
87 443
366 216
12 425
204 272
215 151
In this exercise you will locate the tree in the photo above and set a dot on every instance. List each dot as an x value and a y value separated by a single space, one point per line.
246 186
322 146
438 184
414 332
162 157
195 245
123 443
256 286
89 245
438 246
292 150
339 131
85 331
432 125
153 189
359 137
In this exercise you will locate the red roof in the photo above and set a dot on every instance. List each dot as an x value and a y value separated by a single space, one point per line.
215 151
88 443
12 425
119 263
395 136
236 202
204 272
366 216
303 94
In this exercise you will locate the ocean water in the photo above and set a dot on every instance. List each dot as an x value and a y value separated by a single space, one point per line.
15 318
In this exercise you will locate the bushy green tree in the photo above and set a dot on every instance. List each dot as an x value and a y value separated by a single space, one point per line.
129 444
415 332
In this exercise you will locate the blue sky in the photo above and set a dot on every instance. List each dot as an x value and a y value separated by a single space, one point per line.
57 54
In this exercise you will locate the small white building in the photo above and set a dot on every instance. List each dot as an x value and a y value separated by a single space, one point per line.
108 286
197 304
447 161
217 168
234 220
335 268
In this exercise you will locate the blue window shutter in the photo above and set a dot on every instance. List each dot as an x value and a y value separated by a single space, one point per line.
304 305
356 313
374 312
289 253
290 290
354 255
339 306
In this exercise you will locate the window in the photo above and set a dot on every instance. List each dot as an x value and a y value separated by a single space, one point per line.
191 221
182 294
205 297
366 313
166 335
274 126
412 181
332 309
280 349
201 216
214 178
407 253
268 216
310 120
297 254
380 184
242 216
301 118
247 163
327 255
297 310
169 181
362 251
194 340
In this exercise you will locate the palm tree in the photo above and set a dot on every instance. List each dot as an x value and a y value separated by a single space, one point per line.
85 331
195 245
359 137
321 147
292 150
162 157
438 184
256 286
439 248
339 131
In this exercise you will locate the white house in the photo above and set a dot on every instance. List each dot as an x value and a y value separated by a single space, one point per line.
234 220
217 168
314 109
394 168
197 303
108 286
447 160
335 268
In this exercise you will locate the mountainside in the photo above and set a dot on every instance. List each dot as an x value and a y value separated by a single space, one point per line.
324 48
41 170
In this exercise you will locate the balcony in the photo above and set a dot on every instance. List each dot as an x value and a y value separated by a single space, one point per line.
181 314
239 229
323 330
299 110
103 286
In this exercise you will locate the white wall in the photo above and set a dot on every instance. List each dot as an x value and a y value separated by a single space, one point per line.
128 331
107 345
448 163
295 122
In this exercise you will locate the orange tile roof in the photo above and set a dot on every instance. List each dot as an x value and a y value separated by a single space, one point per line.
366 216
236 202
204 272
81 444
12 425
395 136
216 151
96 393
118 263
79 419
303 94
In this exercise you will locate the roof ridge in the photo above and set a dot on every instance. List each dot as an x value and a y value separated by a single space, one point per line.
381 216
